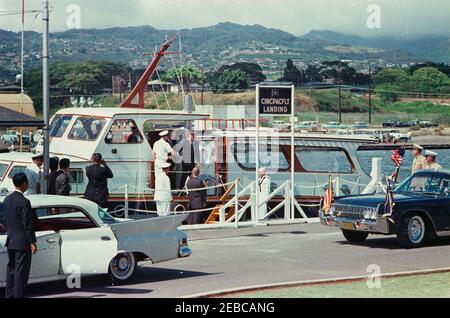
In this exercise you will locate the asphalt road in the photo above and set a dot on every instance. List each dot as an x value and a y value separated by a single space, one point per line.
239 258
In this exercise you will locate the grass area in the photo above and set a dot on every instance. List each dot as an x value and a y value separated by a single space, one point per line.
422 286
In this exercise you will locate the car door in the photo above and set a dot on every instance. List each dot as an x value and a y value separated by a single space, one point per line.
90 250
46 262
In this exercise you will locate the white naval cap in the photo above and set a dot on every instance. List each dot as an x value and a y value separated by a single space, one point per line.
429 153
418 147
163 133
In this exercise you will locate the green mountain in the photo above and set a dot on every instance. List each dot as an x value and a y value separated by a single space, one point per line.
214 46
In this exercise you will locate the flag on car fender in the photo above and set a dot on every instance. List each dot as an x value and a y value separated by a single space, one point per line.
389 203
328 197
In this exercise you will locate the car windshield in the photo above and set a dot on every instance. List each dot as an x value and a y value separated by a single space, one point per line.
426 183
106 217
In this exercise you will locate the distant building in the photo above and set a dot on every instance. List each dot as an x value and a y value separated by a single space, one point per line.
159 86
10 98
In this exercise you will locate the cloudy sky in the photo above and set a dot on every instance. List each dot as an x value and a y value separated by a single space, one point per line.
399 17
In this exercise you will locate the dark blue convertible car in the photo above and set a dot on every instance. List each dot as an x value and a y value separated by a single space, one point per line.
421 211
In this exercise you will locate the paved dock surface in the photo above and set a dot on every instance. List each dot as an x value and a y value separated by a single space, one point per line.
224 259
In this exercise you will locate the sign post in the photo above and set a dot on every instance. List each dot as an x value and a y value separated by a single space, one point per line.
293 153
256 210
276 101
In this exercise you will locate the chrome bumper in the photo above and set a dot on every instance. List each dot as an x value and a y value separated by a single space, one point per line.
381 225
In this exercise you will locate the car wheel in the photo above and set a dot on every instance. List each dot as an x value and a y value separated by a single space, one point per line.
412 232
122 267
355 237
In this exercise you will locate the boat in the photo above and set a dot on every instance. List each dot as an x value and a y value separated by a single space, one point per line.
224 155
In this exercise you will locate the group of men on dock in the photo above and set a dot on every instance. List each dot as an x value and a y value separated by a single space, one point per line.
162 152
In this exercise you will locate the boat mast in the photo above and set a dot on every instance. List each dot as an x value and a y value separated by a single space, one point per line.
45 94
21 72
141 87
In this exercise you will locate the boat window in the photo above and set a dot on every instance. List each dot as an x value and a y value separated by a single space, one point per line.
88 129
324 159
76 175
271 157
3 168
16 170
124 131
59 125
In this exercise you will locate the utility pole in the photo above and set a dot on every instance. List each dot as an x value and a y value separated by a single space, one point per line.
340 104
203 85
45 94
340 93
370 94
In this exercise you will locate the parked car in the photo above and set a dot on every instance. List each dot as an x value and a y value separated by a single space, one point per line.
10 138
75 234
360 125
389 123
308 125
398 124
405 124
281 124
334 125
421 211
427 124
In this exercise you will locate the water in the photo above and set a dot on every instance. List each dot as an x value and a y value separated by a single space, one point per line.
365 159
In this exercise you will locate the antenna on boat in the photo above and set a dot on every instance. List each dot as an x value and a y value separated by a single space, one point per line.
141 87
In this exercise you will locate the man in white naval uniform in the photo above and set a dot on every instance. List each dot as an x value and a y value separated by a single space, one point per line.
161 151
163 191
35 175
431 161
264 191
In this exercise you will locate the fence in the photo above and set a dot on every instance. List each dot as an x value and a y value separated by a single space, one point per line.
244 200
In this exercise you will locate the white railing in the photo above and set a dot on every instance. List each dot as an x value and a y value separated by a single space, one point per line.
244 199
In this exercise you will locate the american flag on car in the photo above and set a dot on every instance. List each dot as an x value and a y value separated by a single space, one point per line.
328 197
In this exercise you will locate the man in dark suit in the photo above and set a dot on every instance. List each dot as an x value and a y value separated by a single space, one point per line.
98 174
21 238
62 181
54 164
197 199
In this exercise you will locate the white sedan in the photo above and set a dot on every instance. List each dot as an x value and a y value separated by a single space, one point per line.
76 236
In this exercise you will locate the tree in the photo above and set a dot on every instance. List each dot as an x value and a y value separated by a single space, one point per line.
341 73
254 72
231 80
313 74
292 74
187 74
444 68
391 75
430 80
79 78
388 92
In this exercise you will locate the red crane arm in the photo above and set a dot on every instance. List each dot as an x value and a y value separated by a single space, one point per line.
141 87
